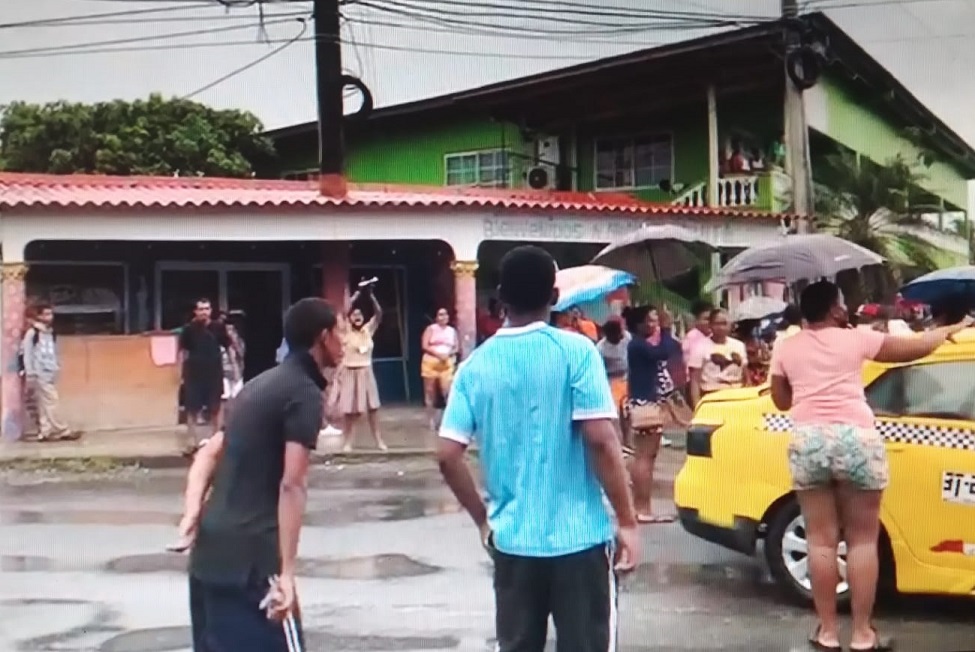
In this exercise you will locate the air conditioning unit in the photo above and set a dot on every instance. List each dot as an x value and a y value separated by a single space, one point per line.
543 173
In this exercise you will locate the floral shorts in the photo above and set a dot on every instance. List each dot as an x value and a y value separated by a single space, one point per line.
821 455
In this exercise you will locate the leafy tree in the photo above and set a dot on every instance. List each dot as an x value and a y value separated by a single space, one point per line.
156 136
878 207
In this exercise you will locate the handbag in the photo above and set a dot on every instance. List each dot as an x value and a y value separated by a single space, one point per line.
646 416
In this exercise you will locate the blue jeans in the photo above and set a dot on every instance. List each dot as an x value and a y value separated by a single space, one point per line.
228 618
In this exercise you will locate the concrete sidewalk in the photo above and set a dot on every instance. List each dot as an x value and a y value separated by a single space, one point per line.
405 430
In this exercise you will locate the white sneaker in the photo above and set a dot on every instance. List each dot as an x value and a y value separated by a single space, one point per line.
666 443
330 431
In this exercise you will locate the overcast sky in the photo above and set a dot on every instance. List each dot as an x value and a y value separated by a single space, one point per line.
928 44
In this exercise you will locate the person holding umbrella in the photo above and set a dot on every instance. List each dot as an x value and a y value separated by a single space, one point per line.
836 456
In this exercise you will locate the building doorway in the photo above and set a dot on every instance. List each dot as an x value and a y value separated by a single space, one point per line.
254 294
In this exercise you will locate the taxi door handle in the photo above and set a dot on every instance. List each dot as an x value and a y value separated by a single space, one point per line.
896 448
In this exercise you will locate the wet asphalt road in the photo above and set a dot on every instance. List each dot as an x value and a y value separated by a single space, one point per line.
389 565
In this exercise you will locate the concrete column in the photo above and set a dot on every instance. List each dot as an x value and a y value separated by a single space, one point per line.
11 387
335 273
465 303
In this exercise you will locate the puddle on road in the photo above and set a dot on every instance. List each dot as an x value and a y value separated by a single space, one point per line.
25 564
378 567
151 563
174 639
161 639
398 508
334 480
86 517
348 642
742 580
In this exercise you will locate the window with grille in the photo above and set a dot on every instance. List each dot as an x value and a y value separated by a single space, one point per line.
488 169
640 162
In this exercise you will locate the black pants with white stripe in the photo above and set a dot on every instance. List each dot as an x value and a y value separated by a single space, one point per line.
578 591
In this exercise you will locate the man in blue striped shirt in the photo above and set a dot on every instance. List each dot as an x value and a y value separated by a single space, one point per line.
538 402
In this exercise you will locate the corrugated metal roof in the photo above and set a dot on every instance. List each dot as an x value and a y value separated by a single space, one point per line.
77 192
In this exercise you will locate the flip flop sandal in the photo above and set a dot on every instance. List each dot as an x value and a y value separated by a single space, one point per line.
651 519
884 644
822 647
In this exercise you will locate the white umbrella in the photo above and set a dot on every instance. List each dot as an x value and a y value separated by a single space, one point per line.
794 258
656 252
757 307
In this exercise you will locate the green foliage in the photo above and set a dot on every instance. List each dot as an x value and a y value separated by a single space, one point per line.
157 136
878 207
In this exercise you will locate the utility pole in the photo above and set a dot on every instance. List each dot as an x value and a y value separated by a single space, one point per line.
331 109
796 137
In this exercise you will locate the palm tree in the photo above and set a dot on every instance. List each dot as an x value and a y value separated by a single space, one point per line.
963 228
880 208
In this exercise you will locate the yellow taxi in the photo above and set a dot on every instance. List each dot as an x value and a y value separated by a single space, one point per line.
734 488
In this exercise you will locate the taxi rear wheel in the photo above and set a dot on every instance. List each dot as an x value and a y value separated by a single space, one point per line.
787 554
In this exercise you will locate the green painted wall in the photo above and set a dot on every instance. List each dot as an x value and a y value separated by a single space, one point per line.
689 132
852 123
415 155
689 129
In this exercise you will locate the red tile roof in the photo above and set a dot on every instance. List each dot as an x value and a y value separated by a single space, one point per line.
45 191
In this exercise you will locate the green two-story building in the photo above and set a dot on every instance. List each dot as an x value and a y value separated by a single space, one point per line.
697 124
640 121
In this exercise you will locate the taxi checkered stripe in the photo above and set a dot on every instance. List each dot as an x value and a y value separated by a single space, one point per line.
901 433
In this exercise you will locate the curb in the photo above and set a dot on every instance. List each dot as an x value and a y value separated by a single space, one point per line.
176 461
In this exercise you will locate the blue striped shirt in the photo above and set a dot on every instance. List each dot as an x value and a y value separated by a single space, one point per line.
521 395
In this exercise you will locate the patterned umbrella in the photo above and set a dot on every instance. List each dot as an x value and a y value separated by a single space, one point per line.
585 284
656 252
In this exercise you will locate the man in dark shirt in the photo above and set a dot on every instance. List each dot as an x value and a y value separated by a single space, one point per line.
200 344
247 538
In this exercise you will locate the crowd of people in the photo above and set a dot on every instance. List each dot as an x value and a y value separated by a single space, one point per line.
545 406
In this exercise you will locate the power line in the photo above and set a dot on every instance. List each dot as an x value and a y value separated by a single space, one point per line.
377 46
416 8
248 66
80 47
830 5
44 22
476 31
89 21
563 7
463 19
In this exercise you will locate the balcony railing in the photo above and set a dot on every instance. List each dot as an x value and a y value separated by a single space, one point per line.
751 191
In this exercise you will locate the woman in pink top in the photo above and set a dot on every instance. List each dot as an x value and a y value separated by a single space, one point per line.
837 458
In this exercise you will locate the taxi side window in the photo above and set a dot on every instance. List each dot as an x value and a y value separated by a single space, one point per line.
940 390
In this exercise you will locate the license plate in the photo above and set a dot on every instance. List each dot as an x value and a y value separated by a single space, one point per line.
958 487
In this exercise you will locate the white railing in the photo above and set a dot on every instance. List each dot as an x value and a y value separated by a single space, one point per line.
738 191
733 192
696 196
